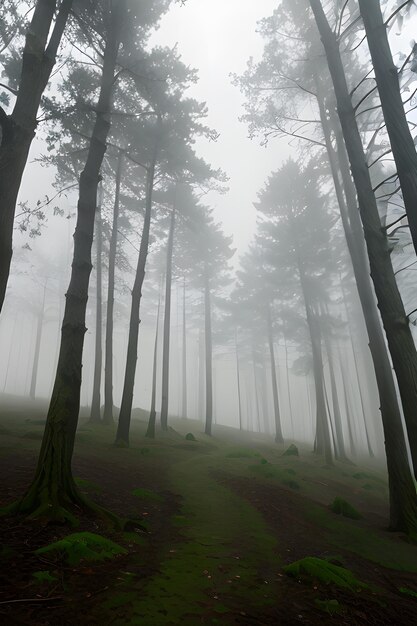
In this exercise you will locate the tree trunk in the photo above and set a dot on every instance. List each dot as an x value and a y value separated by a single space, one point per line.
278 428
184 357
32 392
255 386
323 443
386 75
11 351
287 375
18 129
348 317
349 418
53 489
95 415
201 375
123 426
150 432
341 451
403 510
239 397
167 325
108 365
209 355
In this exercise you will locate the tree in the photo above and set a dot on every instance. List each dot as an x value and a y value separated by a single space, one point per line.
400 341
95 415
18 128
295 222
178 121
211 250
387 80
53 491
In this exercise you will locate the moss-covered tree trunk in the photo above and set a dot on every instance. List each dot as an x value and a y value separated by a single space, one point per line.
95 415
108 358
167 324
53 489
401 139
403 510
18 128
123 426
278 428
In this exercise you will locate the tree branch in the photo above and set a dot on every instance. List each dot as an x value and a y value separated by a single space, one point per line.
397 10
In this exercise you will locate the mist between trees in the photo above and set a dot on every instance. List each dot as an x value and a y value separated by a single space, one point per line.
126 297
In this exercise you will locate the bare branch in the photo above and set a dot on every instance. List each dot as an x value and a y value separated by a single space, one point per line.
397 10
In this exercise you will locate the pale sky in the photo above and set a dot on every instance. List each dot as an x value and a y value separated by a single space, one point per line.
217 37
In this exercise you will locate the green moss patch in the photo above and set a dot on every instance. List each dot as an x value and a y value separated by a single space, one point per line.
83 546
408 592
292 450
145 494
313 569
342 507
82 483
274 472
332 607
44 576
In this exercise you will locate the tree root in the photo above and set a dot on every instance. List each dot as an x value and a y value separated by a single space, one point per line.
60 512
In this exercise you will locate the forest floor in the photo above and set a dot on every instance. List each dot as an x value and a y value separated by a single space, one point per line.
225 515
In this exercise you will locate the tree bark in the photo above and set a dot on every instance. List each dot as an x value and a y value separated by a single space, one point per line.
403 510
123 427
39 328
108 365
167 324
18 128
150 432
53 490
209 354
386 75
278 428
95 415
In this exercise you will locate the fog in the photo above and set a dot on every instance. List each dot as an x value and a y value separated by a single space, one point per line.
207 252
